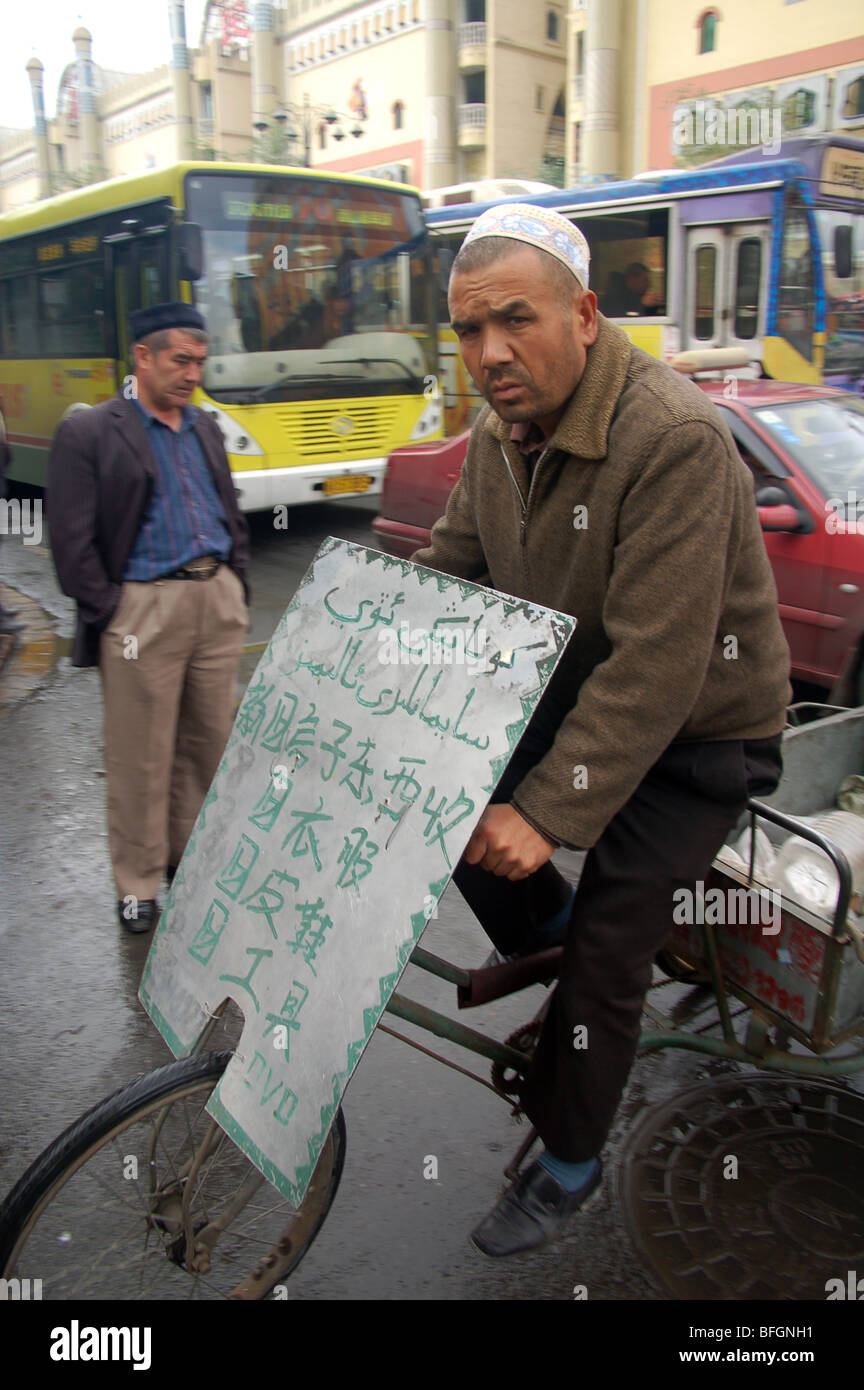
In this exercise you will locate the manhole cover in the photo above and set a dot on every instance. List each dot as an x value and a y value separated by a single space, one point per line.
749 1188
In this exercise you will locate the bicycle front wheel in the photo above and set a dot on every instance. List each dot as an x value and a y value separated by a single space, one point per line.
145 1197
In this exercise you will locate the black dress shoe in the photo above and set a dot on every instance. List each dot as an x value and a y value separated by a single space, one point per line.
138 917
535 1209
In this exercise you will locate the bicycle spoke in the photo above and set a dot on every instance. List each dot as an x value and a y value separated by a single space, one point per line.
102 1234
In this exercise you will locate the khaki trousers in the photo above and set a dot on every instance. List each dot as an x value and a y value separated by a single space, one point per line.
168 661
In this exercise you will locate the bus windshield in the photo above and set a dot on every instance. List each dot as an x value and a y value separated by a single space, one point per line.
311 288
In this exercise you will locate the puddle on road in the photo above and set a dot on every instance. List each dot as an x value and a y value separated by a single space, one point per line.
34 655
36 652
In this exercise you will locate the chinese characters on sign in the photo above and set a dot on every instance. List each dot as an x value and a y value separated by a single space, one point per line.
360 761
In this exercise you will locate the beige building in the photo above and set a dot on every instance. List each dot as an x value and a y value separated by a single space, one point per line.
430 92
649 79
441 92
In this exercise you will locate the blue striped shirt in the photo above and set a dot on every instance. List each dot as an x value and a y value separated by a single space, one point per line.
184 518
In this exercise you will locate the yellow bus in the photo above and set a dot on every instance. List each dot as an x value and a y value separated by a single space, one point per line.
318 298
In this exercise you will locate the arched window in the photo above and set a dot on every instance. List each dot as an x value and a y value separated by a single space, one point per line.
553 25
398 109
708 31
322 136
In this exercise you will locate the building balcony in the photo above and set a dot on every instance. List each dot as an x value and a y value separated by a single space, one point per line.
471 47
472 125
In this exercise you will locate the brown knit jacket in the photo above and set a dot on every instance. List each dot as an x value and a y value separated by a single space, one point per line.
678 635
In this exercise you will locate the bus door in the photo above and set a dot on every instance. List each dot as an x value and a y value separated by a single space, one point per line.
727 286
138 278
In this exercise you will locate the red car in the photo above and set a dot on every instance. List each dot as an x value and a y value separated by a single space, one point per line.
805 448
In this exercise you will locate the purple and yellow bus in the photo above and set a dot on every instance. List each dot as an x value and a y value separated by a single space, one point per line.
752 252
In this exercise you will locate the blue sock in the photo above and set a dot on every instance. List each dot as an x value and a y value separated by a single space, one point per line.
570 1175
560 920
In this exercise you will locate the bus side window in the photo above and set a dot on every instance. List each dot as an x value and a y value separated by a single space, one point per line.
796 306
445 256
70 307
6 334
747 277
704 297
19 318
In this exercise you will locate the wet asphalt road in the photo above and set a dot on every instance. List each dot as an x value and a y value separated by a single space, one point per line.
72 1028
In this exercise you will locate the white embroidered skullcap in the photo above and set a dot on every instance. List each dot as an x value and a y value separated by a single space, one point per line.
540 227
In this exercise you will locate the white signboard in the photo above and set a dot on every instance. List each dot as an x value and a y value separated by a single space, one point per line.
377 724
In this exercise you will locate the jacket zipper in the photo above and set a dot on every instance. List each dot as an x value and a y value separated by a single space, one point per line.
522 502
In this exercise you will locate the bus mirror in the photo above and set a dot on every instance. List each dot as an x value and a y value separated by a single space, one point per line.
843 251
190 255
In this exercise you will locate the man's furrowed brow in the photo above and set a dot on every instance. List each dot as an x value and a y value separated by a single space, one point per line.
515 306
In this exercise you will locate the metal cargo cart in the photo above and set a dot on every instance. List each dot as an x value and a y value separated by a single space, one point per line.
801 970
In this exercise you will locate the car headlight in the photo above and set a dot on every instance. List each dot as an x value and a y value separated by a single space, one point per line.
429 420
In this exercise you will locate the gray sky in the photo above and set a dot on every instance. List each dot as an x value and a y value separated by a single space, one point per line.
128 36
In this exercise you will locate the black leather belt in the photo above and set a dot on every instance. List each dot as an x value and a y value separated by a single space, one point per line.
203 568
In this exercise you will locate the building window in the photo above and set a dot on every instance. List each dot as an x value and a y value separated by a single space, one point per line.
708 31
474 84
538 98
854 104
553 26
398 109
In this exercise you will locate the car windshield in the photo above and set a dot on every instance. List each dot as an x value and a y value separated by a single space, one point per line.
826 437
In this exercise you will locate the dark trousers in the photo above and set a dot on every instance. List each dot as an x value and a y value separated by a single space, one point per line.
663 839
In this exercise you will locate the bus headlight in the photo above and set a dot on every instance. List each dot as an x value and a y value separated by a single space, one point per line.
429 421
237 440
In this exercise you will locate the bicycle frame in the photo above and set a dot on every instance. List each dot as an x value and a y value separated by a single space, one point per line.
483 985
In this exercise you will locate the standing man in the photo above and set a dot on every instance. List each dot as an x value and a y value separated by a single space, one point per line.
601 483
148 538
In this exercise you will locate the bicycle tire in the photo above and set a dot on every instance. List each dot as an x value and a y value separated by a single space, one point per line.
46 1229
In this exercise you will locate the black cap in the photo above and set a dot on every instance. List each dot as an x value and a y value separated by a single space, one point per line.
158 317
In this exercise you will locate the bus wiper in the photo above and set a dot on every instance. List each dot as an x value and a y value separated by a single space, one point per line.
375 362
289 380
285 383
